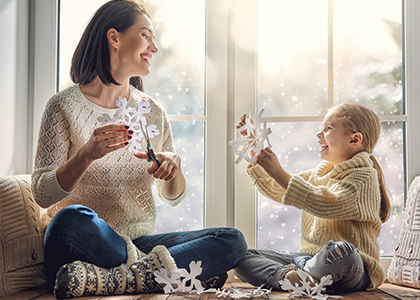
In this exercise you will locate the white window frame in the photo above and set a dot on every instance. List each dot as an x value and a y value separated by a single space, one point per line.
230 198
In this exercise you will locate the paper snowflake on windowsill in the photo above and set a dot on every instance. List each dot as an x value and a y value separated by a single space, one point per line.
306 290
256 137
133 118
176 283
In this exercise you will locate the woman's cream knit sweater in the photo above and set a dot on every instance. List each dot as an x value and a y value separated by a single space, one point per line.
117 186
340 203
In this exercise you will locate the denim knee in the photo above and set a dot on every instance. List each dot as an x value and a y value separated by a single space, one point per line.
235 245
340 259
341 250
76 232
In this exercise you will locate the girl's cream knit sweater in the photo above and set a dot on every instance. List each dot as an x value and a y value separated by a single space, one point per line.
340 203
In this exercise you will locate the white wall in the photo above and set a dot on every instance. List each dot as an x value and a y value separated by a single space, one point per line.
7 80
13 85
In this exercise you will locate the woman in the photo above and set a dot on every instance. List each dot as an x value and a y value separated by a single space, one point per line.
97 192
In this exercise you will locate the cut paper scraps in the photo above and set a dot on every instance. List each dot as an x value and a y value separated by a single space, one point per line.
236 293
306 290
133 118
177 283
256 137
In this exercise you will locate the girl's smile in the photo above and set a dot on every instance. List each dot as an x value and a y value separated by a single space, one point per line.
334 140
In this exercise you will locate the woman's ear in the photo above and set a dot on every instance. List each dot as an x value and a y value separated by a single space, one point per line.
112 36
356 140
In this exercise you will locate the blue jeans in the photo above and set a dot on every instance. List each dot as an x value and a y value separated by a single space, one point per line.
77 233
339 259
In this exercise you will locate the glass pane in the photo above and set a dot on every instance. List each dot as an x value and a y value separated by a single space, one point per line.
73 20
292 57
278 224
390 154
189 214
368 54
176 80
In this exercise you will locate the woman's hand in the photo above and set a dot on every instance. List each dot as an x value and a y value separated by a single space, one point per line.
106 139
270 163
169 165
170 171
103 141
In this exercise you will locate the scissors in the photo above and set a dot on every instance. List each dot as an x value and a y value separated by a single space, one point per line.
150 154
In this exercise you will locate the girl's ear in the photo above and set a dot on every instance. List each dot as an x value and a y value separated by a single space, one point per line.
112 36
356 140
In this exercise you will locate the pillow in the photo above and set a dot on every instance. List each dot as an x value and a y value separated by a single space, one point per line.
405 265
21 237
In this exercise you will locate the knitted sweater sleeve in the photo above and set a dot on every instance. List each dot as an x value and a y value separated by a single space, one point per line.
267 185
335 201
52 152
332 199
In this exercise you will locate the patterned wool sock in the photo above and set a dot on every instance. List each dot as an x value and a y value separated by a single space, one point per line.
79 279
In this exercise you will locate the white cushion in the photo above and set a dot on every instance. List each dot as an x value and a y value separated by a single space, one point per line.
21 237
405 265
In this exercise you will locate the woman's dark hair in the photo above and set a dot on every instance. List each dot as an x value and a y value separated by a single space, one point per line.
92 57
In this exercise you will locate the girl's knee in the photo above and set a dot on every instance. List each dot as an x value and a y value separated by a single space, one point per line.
338 251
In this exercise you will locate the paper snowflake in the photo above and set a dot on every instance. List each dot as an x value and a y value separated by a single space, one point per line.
255 139
305 289
177 282
134 118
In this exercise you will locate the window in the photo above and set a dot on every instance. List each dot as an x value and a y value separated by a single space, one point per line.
233 81
330 52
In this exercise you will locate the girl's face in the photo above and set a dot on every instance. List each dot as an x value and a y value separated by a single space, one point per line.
136 48
334 140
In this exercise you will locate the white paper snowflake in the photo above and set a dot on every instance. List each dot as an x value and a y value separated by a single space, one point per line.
131 117
306 290
177 282
255 139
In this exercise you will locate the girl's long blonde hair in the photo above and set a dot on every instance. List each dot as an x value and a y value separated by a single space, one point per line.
357 118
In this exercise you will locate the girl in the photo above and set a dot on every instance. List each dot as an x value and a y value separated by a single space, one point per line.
97 192
343 201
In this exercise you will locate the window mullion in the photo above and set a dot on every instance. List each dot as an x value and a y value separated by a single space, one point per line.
216 149
43 48
412 89
245 57
330 54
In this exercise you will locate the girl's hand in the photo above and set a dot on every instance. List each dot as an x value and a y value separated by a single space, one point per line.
169 165
269 161
107 139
